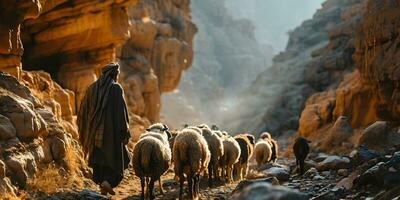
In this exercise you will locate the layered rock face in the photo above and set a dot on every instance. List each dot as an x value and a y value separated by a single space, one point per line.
227 59
10 31
73 40
153 59
368 96
35 131
317 55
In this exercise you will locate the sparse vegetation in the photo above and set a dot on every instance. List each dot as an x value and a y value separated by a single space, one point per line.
52 177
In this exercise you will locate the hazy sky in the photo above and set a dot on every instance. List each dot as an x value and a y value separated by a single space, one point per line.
274 18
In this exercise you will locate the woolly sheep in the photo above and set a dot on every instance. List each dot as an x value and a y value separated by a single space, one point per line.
151 159
262 152
246 143
215 145
230 157
265 135
191 157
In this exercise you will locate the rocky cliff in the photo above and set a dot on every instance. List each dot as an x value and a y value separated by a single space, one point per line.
318 53
369 93
55 50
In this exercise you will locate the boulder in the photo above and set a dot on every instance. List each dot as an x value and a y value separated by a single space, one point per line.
7 130
27 123
18 168
363 154
347 183
266 191
244 183
340 132
58 148
375 136
373 175
22 166
281 173
334 162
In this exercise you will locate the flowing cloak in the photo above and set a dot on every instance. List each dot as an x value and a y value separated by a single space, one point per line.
109 159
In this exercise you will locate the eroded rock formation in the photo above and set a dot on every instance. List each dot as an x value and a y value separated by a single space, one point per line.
317 55
65 44
153 59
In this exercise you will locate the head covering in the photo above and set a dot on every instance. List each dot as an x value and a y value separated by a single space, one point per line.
91 113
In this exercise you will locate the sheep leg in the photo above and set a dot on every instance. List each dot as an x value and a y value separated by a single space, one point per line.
216 173
210 171
142 183
223 169
190 184
147 187
181 182
301 167
161 189
244 171
229 172
196 186
151 189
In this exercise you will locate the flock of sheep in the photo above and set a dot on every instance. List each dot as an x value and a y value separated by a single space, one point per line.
197 150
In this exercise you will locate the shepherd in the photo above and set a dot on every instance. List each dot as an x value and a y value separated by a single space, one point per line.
103 129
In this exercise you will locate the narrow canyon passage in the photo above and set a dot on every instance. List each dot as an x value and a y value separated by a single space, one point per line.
305 93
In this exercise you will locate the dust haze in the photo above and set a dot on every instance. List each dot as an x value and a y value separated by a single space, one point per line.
235 43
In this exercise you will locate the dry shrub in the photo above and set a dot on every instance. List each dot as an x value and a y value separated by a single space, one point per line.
9 196
52 177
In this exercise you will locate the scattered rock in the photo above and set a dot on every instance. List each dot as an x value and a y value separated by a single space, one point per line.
321 157
311 172
318 178
281 173
343 172
326 173
363 154
374 175
266 191
7 130
334 162
244 183
347 183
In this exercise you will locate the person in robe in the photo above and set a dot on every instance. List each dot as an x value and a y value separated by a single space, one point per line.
103 129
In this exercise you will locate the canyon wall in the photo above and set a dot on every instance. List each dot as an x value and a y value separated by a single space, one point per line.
54 50
153 59
368 96
318 53
227 59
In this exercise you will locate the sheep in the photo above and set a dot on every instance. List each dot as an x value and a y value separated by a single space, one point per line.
262 152
275 149
274 145
151 158
230 158
265 135
216 147
301 150
246 143
191 157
